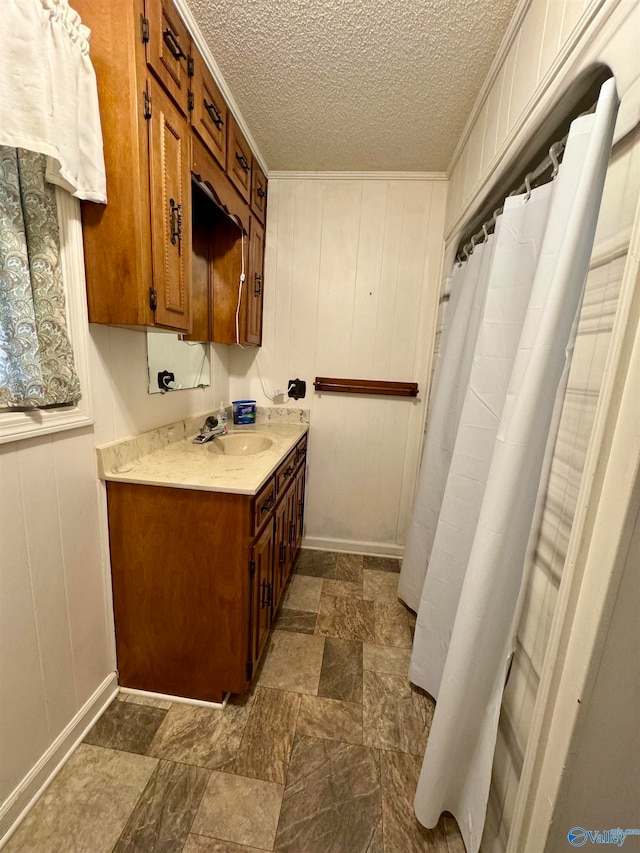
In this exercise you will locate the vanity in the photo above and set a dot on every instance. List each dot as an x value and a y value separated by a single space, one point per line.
203 539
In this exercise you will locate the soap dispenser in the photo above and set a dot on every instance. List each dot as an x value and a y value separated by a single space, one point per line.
222 413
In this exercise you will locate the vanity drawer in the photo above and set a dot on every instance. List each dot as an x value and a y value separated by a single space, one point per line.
284 474
301 450
264 503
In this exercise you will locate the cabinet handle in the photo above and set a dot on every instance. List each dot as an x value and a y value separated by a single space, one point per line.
300 508
171 41
263 589
261 193
243 161
257 286
283 553
267 506
175 220
214 112
288 472
292 532
270 594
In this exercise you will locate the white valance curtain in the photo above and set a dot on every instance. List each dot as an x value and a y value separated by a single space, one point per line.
48 93
505 357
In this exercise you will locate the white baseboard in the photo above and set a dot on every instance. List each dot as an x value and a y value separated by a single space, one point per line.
23 798
348 546
167 697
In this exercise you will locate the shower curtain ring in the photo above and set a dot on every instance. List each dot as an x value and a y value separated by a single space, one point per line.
554 153
473 242
485 232
527 186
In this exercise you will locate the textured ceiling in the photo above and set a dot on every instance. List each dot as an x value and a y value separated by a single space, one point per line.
354 85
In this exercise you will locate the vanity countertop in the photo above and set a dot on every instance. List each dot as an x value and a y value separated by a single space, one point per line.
167 457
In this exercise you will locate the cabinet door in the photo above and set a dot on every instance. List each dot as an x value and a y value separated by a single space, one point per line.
209 113
262 556
280 552
258 191
167 47
290 499
255 289
238 159
170 186
299 509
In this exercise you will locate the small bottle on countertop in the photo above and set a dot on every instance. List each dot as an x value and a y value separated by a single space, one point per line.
222 413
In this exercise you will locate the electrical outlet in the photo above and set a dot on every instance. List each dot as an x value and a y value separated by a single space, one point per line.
297 389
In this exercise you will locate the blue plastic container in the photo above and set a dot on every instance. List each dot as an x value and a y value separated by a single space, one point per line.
244 411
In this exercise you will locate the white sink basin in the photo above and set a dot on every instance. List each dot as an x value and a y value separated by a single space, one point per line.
237 444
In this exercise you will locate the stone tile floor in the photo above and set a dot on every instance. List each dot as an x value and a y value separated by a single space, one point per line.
322 756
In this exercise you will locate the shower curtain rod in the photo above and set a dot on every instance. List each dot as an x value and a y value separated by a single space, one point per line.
531 180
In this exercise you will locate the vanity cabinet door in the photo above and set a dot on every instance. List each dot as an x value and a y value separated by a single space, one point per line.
167 47
170 184
280 552
299 510
262 599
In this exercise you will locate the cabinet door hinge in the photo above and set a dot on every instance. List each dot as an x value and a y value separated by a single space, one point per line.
249 670
252 568
153 298
146 108
190 66
191 101
144 29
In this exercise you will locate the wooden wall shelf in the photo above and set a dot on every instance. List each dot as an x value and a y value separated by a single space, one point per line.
366 386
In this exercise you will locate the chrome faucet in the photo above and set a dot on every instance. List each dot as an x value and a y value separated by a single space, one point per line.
210 430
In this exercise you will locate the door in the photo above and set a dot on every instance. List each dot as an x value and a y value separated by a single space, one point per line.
170 188
262 557
209 113
280 552
167 46
255 290
238 160
258 191
299 509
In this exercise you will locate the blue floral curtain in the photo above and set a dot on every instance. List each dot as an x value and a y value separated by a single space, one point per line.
36 360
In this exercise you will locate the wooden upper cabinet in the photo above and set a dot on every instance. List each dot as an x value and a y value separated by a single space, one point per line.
238 159
170 184
258 192
167 48
208 110
255 285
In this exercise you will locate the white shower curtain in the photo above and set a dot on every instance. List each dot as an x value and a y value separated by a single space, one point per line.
478 553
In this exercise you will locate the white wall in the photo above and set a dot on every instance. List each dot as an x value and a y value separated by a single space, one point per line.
554 41
352 274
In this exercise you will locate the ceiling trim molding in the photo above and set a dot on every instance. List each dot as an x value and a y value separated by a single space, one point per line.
513 30
358 176
190 22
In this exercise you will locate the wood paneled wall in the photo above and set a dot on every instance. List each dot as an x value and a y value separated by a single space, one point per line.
546 51
56 636
351 281
56 626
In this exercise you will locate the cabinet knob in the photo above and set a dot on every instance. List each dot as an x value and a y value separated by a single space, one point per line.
261 193
175 221
267 506
257 285
243 161
171 41
214 112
